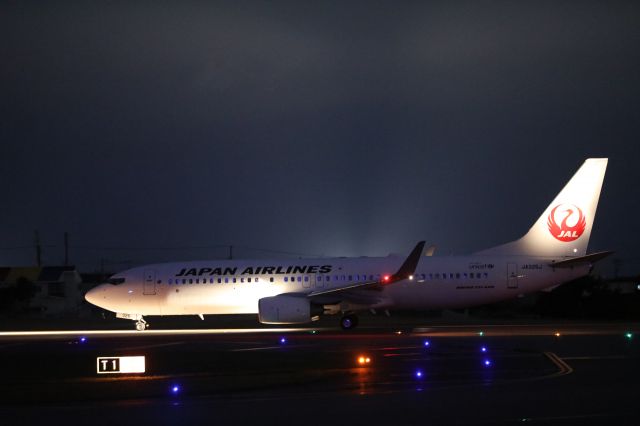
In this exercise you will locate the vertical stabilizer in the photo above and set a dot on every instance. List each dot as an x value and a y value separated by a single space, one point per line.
564 227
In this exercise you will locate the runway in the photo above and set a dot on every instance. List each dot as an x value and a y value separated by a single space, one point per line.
469 374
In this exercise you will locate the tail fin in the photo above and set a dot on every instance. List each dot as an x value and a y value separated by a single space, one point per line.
565 226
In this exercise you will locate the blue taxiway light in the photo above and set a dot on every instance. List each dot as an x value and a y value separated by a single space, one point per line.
283 340
83 339
487 363
175 389
418 374
483 349
426 343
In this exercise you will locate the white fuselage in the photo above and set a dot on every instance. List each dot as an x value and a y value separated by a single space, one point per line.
289 292
234 287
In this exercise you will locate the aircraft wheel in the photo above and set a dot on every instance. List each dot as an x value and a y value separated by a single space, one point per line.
349 322
141 326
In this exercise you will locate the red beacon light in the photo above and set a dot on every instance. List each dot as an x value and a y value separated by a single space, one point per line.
386 278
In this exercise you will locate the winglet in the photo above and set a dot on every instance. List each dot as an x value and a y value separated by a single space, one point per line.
408 268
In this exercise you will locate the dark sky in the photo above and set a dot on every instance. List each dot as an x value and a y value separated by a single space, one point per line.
340 128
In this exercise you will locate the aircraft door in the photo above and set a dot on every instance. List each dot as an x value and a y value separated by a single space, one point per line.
149 287
512 275
318 282
308 281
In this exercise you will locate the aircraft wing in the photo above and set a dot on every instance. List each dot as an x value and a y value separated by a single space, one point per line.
407 269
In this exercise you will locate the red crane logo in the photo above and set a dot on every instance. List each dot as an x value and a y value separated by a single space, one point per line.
564 231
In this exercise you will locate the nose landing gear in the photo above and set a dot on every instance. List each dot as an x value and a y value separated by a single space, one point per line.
141 324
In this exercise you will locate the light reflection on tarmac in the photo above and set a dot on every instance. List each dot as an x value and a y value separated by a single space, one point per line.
124 333
487 330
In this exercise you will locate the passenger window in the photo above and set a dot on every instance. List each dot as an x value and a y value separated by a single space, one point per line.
306 279
299 279
271 279
286 279
328 278
226 280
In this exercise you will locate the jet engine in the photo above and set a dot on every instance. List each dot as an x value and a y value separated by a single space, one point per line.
286 309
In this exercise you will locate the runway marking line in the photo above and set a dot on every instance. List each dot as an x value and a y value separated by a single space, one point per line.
563 367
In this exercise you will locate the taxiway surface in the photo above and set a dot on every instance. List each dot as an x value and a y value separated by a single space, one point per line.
545 374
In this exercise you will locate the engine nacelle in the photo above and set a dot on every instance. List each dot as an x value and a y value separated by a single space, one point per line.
286 310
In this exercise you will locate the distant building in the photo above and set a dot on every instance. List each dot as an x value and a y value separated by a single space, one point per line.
624 285
58 289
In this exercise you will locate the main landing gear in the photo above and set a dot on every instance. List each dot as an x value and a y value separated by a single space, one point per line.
349 322
141 324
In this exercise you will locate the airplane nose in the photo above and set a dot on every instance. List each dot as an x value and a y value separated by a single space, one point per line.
96 294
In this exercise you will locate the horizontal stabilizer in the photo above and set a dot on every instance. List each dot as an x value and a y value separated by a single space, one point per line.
590 258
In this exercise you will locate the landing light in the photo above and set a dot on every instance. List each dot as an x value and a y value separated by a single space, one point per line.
557 334
410 277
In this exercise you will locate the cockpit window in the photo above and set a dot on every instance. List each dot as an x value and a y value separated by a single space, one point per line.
115 281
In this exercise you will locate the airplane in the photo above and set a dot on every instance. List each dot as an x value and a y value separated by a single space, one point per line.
552 252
